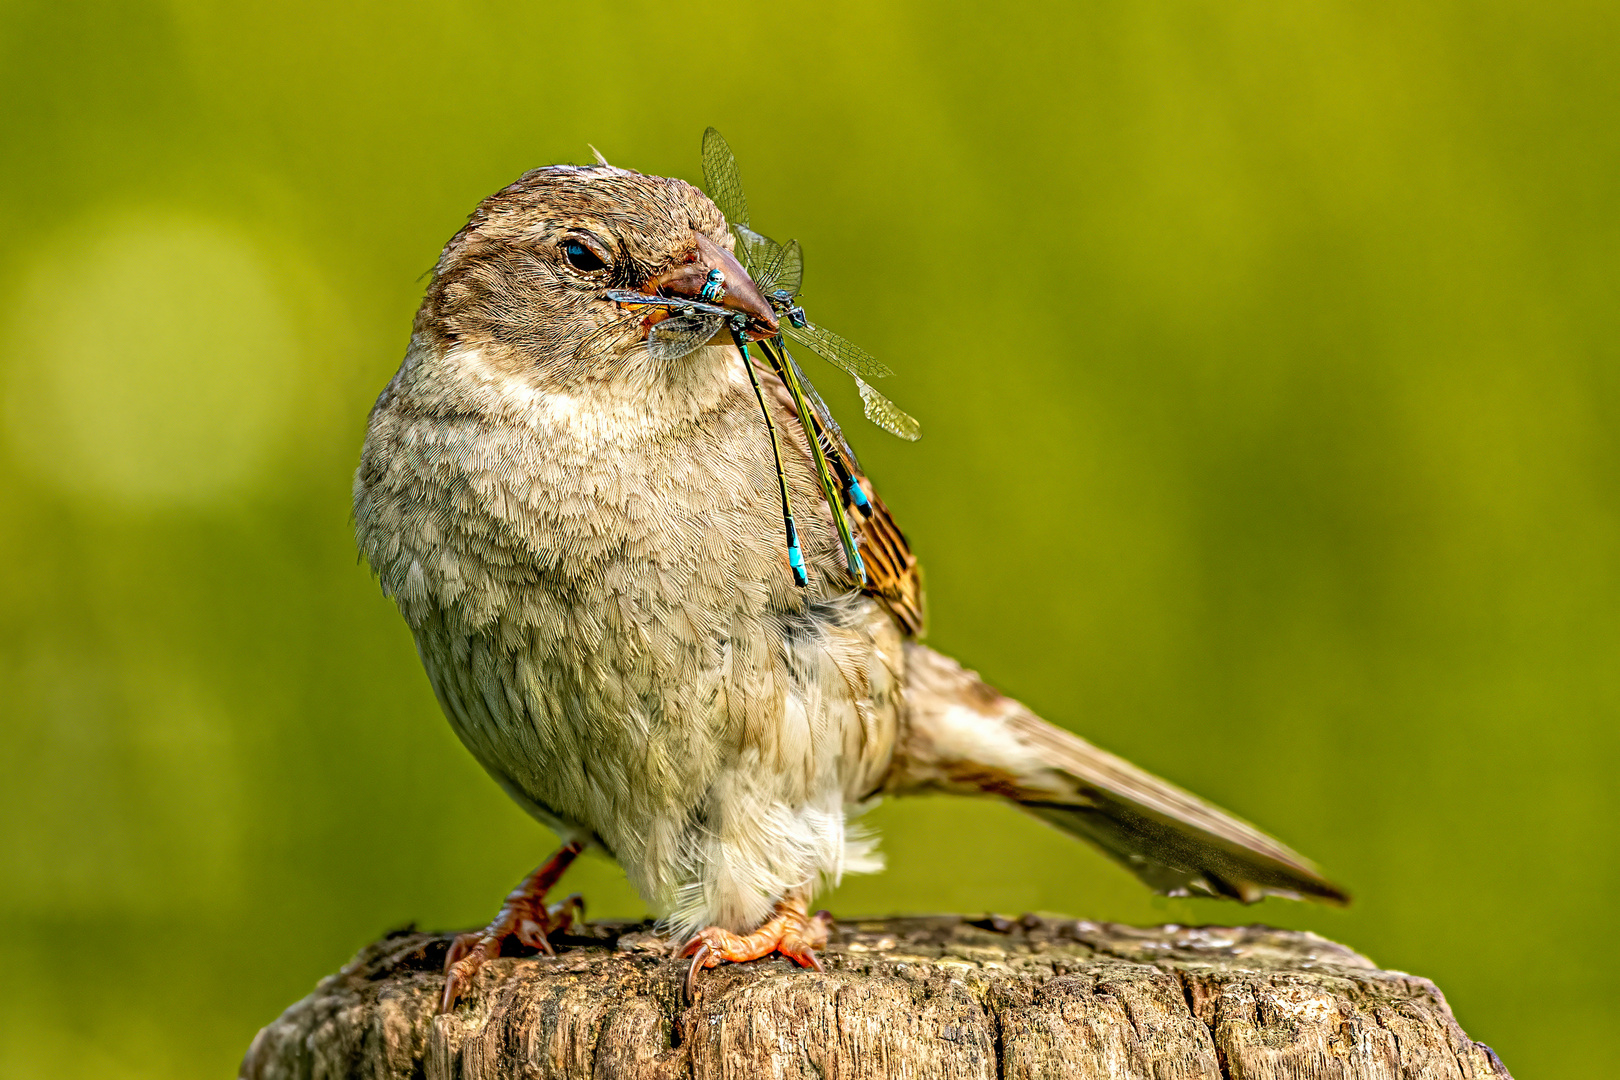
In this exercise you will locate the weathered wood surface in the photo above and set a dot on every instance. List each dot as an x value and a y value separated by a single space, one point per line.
928 997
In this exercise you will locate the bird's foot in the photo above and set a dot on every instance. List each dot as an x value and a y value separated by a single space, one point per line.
789 931
523 916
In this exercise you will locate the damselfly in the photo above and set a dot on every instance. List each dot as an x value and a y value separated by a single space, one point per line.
777 271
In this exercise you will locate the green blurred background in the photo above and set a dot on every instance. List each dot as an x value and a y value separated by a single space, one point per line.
1266 356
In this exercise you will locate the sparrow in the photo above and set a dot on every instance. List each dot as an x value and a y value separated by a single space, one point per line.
586 542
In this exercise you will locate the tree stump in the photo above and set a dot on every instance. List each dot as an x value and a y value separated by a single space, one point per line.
916 997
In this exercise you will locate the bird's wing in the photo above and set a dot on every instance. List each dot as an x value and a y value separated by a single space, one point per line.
964 737
892 573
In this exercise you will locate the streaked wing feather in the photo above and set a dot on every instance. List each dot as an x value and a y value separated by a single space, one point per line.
892 573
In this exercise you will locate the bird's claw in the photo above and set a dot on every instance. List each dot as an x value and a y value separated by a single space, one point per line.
700 956
523 916
789 932
527 919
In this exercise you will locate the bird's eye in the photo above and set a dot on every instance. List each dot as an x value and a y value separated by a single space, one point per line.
581 257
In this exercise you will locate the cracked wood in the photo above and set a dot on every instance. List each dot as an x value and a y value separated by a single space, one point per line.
921 997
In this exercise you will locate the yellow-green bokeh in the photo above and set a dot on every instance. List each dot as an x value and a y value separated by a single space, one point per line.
1266 355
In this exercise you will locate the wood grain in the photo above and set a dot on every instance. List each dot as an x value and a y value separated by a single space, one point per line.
921 997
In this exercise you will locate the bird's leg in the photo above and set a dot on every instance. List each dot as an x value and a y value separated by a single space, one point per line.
789 931
524 916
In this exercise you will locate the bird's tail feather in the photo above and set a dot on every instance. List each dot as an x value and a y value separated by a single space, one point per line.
966 738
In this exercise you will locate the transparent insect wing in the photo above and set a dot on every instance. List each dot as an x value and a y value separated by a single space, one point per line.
750 246
790 270
721 179
885 414
778 272
679 335
835 350
744 255
767 269
607 337
823 413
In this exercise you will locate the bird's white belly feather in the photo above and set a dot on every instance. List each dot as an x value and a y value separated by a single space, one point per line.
615 640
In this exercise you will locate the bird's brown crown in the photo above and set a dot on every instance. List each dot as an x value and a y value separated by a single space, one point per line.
529 268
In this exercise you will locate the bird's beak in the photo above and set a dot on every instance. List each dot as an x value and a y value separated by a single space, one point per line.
741 294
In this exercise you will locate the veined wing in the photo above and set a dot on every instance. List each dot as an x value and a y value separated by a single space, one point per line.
772 265
835 350
778 269
752 248
605 338
824 415
787 271
679 335
886 415
859 363
722 180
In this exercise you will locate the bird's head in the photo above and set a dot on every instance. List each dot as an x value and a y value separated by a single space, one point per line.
524 280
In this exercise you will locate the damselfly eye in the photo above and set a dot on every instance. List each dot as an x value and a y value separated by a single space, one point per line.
581 257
